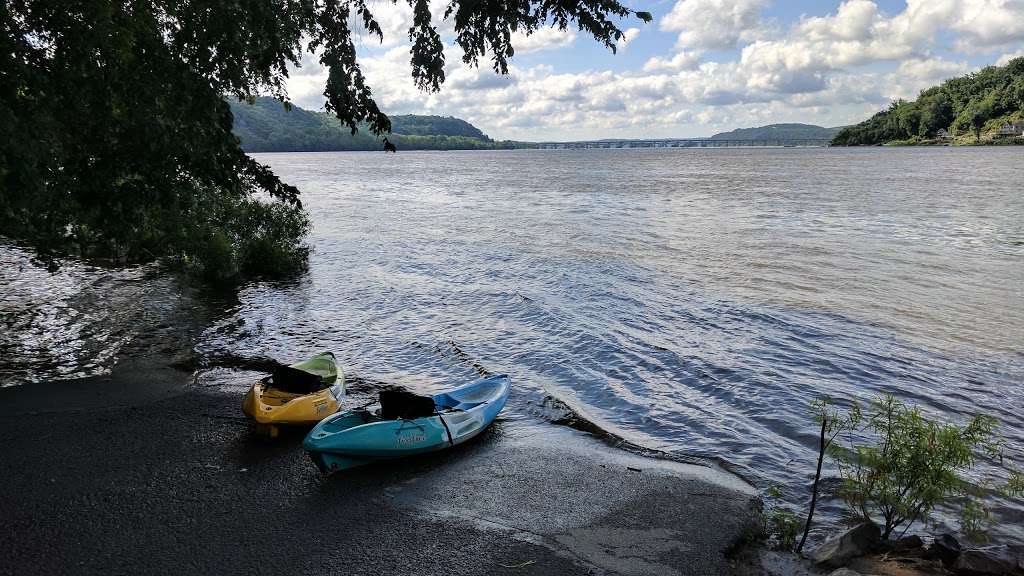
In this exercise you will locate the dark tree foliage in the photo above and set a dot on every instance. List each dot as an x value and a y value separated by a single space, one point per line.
115 135
961 105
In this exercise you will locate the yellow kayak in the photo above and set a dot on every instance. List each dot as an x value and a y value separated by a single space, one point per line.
300 394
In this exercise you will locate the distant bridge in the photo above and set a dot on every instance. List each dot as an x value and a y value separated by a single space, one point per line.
685 143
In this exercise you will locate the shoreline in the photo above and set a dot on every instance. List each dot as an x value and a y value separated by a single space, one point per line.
176 481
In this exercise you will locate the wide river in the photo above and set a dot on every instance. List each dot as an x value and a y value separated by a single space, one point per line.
690 301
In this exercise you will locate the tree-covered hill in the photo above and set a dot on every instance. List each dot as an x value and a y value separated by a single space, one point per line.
779 132
266 126
971 108
415 125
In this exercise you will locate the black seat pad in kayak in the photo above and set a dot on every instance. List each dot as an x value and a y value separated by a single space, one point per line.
288 379
397 403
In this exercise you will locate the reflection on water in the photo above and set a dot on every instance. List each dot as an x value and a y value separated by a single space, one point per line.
68 324
691 301
76 321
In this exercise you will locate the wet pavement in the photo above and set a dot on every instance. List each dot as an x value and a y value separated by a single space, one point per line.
178 483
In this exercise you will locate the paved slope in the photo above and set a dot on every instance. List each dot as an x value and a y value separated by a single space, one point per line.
181 486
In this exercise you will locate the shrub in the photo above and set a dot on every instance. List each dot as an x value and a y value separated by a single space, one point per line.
227 239
911 464
780 524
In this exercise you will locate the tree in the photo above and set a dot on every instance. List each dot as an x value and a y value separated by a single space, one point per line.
832 425
115 132
908 120
977 114
936 113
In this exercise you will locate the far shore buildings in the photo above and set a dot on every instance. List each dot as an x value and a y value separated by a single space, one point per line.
1011 129
943 134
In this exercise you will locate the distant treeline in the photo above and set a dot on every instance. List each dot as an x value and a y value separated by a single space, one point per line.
266 126
966 107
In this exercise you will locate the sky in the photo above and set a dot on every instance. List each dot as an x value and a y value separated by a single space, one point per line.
700 67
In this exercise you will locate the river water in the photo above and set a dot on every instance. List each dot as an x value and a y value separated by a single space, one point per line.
690 301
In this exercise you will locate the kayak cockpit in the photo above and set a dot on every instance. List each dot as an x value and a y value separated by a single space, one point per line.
469 397
347 420
446 403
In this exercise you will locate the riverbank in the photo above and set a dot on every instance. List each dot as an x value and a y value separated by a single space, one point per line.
177 483
965 141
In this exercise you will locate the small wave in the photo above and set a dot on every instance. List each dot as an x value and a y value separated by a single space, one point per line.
245 363
455 351
555 411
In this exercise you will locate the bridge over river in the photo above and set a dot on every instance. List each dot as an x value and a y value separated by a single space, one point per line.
685 143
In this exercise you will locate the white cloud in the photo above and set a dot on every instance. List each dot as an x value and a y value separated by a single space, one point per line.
394 19
860 34
389 77
681 61
306 83
854 21
986 23
857 34
977 25
465 78
628 35
543 39
1005 58
913 76
715 24
932 70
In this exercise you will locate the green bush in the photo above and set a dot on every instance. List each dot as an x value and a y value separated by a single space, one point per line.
912 141
910 464
780 524
225 239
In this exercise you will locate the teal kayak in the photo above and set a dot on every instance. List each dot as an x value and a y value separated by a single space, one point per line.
357 437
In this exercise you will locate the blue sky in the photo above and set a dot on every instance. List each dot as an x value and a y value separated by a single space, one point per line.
702 66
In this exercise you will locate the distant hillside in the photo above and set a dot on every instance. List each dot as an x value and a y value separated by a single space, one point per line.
970 108
779 132
265 126
412 125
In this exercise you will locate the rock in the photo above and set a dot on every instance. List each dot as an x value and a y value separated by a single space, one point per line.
908 543
886 565
945 548
774 563
855 542
904 545
991 561
845 572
